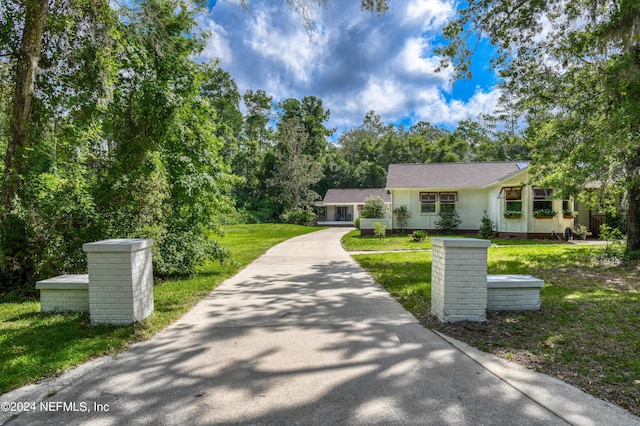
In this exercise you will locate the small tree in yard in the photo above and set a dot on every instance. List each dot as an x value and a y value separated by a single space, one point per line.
487 227
374 208
402 215
379 230
448 222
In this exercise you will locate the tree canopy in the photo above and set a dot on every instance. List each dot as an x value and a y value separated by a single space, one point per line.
573 69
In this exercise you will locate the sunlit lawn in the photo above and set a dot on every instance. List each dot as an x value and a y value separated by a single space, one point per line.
587 332
354 242
34 345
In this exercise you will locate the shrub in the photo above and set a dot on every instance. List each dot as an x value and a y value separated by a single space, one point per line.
614 249
298 216
374 208
379 230
356 223
402 215
180 253
487 226
418 236
448 222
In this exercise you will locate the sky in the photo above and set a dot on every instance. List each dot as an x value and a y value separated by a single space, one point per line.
354 61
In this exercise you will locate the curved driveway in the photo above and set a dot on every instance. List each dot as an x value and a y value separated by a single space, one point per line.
304 336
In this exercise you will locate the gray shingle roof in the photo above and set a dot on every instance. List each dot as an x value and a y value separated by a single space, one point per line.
353 196
451 175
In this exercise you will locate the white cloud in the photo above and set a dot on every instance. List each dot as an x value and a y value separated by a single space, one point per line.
355 61
411 59
435 108
429 14
218 43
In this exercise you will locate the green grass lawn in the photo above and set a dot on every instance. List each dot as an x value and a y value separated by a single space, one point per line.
354 242
587 332
34 345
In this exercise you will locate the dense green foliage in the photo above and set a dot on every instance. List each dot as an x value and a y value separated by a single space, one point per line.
374 208
418 236
120 142
448 222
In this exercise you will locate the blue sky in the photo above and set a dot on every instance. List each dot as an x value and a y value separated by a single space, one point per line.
354 61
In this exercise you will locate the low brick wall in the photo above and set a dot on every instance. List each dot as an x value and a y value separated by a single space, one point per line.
65 293
367 226
513 293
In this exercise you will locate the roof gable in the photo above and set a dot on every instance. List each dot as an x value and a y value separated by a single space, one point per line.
354 196
452 175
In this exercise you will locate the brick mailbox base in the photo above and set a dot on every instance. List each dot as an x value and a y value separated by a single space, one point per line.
120 280
117 290
459 279
461 290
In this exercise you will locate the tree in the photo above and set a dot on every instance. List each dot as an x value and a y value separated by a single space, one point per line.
258 106
574 68
374 208
69 39
222 94
311 114
164 176
120 140
296 171
35 15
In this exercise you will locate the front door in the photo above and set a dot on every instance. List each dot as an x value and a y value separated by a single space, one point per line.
341 213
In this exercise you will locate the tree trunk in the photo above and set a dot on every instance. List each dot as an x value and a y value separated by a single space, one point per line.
26 68
16 266
633 218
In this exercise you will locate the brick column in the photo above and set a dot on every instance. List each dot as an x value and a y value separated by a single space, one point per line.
459 279
120 280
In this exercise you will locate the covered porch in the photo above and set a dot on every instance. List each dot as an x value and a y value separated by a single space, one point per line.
335 215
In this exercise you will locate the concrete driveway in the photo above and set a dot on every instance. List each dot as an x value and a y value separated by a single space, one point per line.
303 335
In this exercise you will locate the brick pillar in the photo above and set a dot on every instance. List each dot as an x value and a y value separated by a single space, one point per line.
459 279
120 280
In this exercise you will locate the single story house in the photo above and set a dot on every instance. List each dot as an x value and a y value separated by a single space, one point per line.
340 207
501 189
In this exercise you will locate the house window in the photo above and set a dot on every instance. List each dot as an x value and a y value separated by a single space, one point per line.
541 198
428 202
513 198
447 201
511 192
360 207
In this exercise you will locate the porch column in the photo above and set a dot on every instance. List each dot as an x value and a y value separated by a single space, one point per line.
459 279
